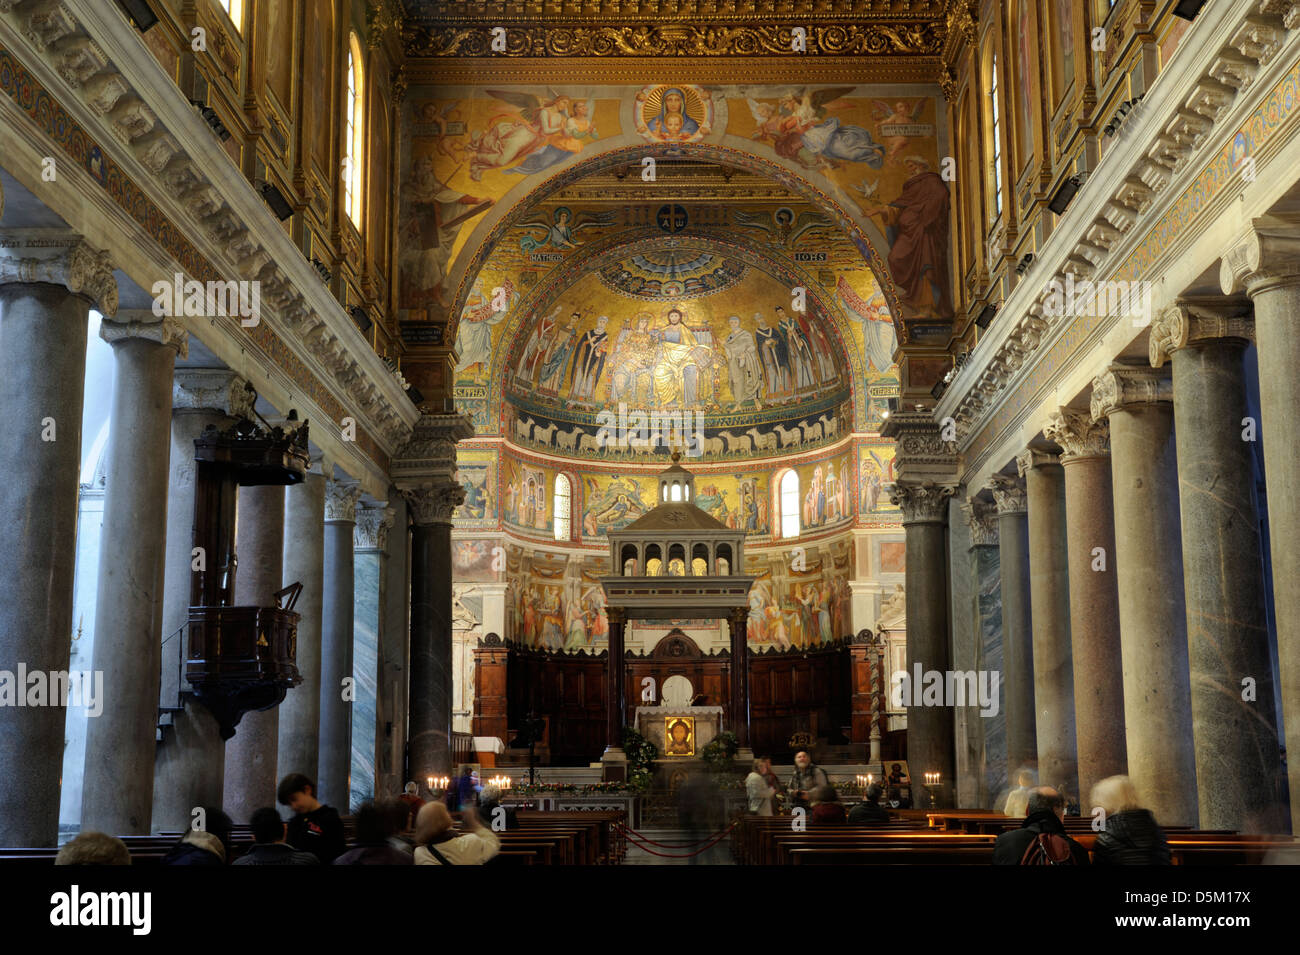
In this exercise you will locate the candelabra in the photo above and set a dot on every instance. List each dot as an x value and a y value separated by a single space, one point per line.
932 782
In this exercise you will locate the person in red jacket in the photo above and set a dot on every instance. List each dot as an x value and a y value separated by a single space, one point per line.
826 807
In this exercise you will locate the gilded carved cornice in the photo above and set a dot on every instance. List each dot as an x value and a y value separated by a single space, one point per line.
1081 435
1009 494
1181 325
1121 387
982 519
59 257
922 502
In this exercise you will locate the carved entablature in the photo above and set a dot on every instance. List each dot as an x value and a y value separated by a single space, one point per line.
922 454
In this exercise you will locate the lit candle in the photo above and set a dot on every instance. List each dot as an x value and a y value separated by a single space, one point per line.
431 782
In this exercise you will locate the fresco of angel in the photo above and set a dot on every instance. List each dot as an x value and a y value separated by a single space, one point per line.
532 135
802 129
892 123
561 228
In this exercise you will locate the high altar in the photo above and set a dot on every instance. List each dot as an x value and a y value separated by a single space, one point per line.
677 728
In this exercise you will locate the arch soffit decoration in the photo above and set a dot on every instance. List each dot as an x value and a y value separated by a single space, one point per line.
609 249
516 203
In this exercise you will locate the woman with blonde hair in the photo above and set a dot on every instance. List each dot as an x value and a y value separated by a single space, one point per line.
437 844
1129 835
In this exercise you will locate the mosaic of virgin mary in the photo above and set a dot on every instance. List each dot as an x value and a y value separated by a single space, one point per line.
671 114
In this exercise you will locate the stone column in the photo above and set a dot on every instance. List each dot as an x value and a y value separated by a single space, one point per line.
1153 631
251 767
1017 634
298 748
614 758
1266 263
1049 588
1234 723
394 652
369 543
989 740
1094 597
337 606
190 763
930 729
739 619
118 784
424 472
48 282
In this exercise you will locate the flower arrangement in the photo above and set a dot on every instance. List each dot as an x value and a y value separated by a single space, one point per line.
719 755
641 756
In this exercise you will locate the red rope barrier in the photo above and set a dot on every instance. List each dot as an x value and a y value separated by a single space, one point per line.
712 841
677 845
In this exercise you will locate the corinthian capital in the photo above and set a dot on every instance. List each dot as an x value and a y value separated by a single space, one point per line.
923 502
371 532
341 501
1120 387
1031 458
982 519
1009 493
1081 435
433 503
143 324
429 457
212 388
1182 324
59 257
1267 256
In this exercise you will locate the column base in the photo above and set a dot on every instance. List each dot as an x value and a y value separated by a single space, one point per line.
744 755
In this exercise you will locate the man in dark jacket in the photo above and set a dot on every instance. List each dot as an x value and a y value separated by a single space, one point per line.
315 828
869 812
1131 837
1046 810
270 848
207 846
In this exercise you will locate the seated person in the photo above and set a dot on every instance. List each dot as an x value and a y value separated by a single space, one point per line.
376 827
315 828
826 807
269 842
94 848
437 844
869 812
489 803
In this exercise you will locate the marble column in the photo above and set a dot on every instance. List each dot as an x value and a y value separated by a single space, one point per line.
930 729
1017 633
1266 263
394 651
1153 630
190 762
1234 723
964 641
369 543
429 703
1049 590
990 759
614 758
48 282
337 680
117 794
298 745
1094 597
251 767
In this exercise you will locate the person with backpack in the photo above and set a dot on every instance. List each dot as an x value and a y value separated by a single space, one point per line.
1041 838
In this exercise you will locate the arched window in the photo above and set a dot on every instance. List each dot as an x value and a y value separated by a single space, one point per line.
563 507
676 493
789 504
235 10
996 137
354 119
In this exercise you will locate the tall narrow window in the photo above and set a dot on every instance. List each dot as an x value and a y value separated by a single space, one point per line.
353 145
997 140
563 507
235 10
789 490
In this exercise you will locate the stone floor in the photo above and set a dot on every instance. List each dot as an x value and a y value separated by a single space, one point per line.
717 855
